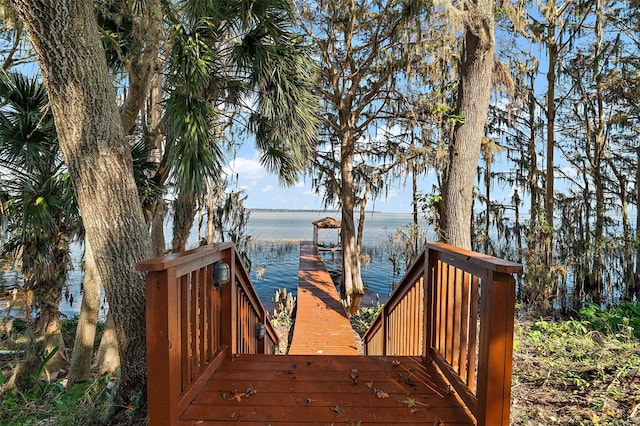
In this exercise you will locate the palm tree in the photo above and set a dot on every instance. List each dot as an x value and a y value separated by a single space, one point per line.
231 56
42 209
224 61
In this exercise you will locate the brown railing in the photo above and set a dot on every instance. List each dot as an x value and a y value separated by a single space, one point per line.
456 308
192 325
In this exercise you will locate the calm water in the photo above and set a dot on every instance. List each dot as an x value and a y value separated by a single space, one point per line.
276 250
274 253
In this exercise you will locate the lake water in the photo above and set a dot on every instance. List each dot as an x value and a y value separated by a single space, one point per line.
274 253
277 242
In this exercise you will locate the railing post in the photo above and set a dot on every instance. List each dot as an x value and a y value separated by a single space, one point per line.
385 329
496 349
430 264
163 375
229 303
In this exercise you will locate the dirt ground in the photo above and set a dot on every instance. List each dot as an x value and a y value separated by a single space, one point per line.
572 376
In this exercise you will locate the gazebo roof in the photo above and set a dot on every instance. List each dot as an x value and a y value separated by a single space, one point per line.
327 223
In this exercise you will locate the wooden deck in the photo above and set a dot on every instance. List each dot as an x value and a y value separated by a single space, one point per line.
321 325
211 363
325 390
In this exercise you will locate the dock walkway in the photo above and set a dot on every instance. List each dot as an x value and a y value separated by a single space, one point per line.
321 326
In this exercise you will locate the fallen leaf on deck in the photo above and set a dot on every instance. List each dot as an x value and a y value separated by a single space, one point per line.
410 402
381 394
250 391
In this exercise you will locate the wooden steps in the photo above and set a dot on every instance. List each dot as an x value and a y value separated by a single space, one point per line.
321 325
311 389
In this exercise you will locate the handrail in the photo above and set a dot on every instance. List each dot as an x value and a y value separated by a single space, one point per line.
456 307
192 325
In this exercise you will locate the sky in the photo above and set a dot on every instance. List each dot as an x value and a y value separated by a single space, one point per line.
265 192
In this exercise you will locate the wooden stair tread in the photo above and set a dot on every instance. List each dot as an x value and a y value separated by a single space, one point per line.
272 389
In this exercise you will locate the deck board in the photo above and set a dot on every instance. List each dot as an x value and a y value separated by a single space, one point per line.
312 389
321 325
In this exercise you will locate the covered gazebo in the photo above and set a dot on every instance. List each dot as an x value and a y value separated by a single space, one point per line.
325 223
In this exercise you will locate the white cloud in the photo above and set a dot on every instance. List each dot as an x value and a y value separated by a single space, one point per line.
392 193
246 168
267 188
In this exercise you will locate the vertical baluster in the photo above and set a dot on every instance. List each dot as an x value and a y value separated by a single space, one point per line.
451 295
457 314
464 331
202 318
185 332
473 333
442 304
193 325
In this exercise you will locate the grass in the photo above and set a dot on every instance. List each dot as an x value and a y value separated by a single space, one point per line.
49 403
85 403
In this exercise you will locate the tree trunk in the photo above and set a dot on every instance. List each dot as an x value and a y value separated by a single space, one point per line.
488 159
351 278
600 143
143 51
86 331
65 36
533 156
362 217
627 238
636 280
158 242
474 93
156 213
108 356
211 219
414 192
49 294
552 52
184 207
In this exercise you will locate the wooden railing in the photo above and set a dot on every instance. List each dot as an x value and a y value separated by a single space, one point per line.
456 308
193 325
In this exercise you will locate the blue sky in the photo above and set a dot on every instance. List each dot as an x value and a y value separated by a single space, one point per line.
264 190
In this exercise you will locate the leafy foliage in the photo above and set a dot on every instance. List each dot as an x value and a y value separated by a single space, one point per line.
364 317
623 318
48 402
577 369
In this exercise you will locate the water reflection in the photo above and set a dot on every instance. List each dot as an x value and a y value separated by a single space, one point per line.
275 265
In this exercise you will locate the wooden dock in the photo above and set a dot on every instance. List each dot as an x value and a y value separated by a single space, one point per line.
321 325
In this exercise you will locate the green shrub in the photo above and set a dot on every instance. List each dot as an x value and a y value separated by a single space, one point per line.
621 319
363 319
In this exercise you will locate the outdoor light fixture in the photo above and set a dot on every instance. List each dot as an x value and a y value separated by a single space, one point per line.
220 273
260 331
